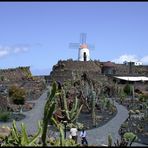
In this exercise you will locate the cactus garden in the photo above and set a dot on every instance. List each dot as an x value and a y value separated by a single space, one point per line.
84 103
137 107
81 102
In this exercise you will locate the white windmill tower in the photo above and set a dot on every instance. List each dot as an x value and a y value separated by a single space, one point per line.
83 53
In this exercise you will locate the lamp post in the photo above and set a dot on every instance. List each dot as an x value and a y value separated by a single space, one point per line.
65 123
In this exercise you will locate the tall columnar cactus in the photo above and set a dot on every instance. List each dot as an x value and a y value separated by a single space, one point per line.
116 90
86 89
48 111
102 102
122 95
60 128
109 140
72 114
93 94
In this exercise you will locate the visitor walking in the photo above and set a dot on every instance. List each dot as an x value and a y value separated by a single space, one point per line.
83 137
73 133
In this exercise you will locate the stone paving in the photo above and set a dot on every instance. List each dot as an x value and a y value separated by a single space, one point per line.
95 137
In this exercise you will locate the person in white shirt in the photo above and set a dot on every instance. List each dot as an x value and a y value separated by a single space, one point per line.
83 137
73 133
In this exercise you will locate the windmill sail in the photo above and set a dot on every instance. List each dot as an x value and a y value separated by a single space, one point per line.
74 45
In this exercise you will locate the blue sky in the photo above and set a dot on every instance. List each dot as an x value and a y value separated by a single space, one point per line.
37 34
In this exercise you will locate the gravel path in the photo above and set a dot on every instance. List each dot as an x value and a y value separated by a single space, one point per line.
32 116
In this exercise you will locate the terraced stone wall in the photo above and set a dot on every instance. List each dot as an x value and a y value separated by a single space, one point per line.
71 70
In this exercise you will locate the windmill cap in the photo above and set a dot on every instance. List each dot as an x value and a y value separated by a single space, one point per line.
83 46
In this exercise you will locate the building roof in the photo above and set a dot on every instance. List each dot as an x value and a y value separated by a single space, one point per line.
108 64
132 78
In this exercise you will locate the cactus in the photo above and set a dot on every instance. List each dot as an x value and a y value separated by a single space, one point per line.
72 114
61 141
102 102
17 138
123 143
122 96
130 137
93 107
109 140
48 111
86 89
60 128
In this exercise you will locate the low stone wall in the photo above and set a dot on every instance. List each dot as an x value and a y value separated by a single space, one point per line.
21 77
15 74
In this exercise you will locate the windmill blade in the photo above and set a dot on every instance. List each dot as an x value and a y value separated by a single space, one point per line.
83 38
74 45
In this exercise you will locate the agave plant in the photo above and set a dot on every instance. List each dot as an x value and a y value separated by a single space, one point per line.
17 138
123 143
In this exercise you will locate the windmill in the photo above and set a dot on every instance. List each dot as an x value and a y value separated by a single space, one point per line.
83 53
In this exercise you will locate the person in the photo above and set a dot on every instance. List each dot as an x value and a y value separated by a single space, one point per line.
73 133
83 137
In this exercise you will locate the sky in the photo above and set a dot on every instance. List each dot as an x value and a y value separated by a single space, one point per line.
38 34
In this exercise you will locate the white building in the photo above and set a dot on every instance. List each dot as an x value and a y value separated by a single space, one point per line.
133 62
138 63
83 54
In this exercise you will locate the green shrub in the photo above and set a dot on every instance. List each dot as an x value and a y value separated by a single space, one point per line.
127 89
17 95
129 136
4 116
2 78
18 101
143 97
108 104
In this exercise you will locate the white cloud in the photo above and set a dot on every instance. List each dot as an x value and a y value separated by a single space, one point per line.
125 57
3 53
7 50
132 58
144 60
20 49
